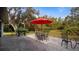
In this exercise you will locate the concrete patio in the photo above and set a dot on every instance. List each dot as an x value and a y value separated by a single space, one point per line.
31 43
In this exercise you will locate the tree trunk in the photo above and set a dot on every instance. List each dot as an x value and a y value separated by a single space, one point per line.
3 18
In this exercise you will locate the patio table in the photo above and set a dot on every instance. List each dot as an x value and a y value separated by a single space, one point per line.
41 36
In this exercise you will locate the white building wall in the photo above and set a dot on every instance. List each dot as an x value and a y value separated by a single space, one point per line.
1 30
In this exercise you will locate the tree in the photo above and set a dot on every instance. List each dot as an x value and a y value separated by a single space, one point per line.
71 22
15 14
75 15
21 15
57 23
30 12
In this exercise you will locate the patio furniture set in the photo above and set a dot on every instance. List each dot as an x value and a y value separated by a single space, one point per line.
21 33
68 41
44 36
41 36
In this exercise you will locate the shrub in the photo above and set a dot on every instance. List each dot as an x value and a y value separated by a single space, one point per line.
22 30
8 28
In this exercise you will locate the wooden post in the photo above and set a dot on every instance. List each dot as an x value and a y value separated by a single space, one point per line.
0 32
3 18
1 29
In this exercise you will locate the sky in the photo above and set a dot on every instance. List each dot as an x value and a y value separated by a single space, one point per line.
54 11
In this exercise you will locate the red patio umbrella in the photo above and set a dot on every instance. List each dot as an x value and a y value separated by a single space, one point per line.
41 21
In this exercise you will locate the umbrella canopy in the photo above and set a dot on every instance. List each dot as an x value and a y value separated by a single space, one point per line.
41 21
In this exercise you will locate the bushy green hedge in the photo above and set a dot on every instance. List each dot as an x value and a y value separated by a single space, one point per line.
8 28
22 30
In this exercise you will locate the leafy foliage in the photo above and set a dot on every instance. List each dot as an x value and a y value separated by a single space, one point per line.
3 14
71 23
18 15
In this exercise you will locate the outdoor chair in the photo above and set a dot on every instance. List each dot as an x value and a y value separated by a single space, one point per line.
66 40
37 34
75 38
46 36
42 36
76 41
18 33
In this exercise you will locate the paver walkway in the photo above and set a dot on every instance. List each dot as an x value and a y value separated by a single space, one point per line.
30 43
54 44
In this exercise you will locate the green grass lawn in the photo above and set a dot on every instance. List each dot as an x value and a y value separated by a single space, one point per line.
13 33
9 33
54 33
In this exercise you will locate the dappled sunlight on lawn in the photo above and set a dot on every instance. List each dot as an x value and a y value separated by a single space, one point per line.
14 33
55 33
9 33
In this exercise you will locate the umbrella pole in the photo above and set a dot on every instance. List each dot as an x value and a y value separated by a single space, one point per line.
41 27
